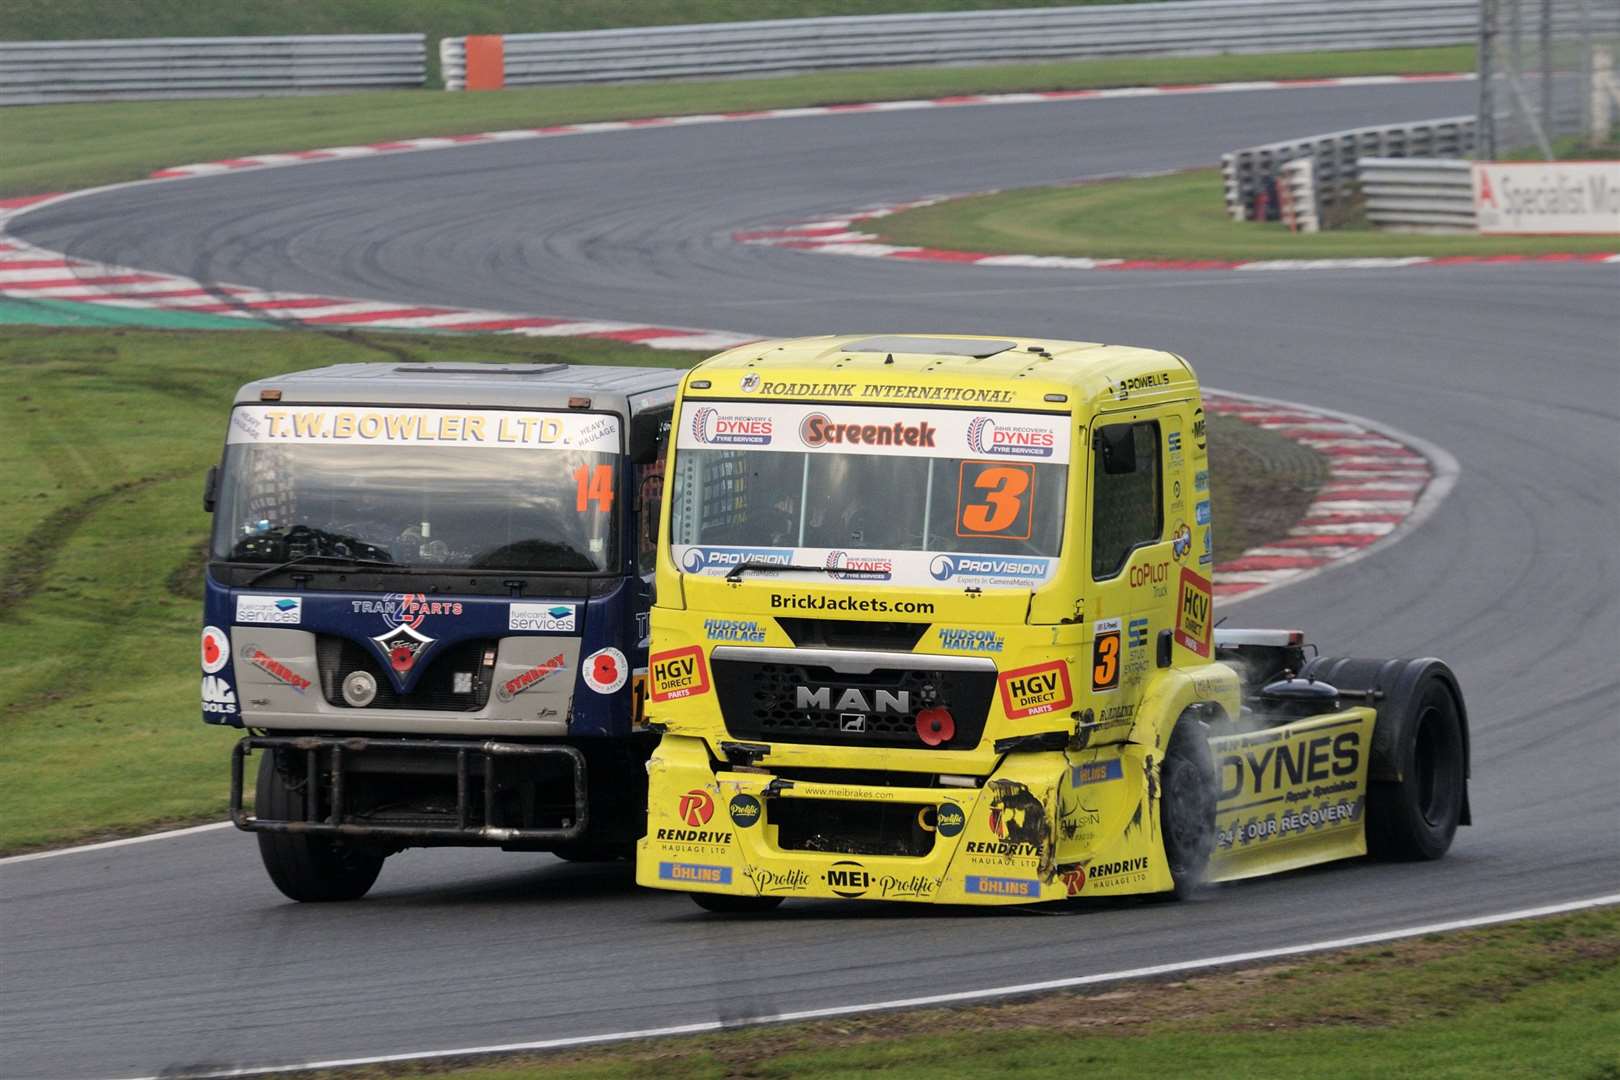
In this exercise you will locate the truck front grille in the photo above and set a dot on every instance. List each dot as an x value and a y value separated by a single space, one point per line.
337 656
761 700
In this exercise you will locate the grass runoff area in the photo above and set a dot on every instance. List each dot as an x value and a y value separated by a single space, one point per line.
1524 1000
109 433
59 147
1178 216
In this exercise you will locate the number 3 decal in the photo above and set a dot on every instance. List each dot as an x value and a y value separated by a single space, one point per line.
996 500
1105 656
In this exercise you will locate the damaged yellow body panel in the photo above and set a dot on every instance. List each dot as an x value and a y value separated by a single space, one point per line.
930 614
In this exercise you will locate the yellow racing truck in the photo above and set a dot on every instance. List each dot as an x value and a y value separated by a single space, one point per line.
934 622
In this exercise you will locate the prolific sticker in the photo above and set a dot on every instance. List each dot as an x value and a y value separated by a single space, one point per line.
514 686
677 674
950 819
276 669
216 649
605 670
217 695
270 610
1035 690
1192 613
1105 656
745 811
541 618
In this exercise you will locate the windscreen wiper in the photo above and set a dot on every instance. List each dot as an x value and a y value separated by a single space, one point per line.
736 572
347 560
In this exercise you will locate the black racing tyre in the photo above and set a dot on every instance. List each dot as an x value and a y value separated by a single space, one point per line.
1416 817
1187 793
309 869
727 904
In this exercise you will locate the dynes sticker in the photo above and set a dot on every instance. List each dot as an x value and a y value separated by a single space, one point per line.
1032 691
678 673
217 696
1193 608
711 427
216 649
542 618
533 677
275 668
270 610
989 437
454 428
605 670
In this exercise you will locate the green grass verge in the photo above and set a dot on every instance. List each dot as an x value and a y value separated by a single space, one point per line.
109 433
1523 1000
1181 216
59 147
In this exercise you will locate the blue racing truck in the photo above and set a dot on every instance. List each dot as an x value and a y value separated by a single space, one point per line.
426 602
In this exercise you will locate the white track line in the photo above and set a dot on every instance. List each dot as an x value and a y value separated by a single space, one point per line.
105 844
957 998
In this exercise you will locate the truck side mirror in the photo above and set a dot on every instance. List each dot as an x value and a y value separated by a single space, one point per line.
1116 443
648 432
210 488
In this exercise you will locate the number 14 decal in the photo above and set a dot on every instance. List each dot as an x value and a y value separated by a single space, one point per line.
593 485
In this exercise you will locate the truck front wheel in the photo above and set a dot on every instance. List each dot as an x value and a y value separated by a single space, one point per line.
1187 804
310 869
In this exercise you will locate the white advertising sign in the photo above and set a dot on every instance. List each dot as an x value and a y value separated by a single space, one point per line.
1547 197
870 567
880 430
406 426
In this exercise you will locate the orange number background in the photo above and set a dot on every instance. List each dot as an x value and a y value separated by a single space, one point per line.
996 500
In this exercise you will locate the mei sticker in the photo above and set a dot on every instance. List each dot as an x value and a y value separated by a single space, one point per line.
676 674
1035 690
605 670
1105 656
1193 604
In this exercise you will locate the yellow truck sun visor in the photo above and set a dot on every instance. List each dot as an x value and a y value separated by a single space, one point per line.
786 427
489 429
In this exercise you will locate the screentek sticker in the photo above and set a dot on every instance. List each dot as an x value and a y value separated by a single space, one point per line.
694 873
1193 605
1035 690
1002 886
541 618
1105 656
605 670
217 696
514 686
216 649
270 610
276 669
679 673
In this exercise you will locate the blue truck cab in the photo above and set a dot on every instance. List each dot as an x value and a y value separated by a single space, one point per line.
426 603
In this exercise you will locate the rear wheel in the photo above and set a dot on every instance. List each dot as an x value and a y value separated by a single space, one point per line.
1416 816
727 904
310 869
1187 805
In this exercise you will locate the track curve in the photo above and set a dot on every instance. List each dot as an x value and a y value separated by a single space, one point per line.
178 953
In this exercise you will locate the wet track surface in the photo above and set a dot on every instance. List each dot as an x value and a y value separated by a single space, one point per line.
180 952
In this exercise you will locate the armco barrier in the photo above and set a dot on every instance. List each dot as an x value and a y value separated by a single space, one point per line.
1415 195
42 72
1179 27
1334 158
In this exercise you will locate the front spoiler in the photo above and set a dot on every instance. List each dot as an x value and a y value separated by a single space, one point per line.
1045 825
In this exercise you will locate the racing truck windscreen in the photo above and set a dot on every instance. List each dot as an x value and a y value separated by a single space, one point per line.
903 495
429 489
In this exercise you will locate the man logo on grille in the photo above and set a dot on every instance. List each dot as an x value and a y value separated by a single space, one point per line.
697 807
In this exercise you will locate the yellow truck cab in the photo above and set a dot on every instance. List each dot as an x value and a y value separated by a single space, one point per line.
934 622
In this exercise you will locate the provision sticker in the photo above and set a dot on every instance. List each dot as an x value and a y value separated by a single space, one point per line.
1035 690
402 426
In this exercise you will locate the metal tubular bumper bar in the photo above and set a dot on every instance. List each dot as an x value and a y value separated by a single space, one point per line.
337 747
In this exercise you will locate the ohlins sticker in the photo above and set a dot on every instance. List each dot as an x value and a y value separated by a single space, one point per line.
679 673
531 678
1105 656
694 873
1193 603
981 885
1032 691
1096 772
276 669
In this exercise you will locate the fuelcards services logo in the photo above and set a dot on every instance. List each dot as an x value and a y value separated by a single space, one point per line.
987 438
713 429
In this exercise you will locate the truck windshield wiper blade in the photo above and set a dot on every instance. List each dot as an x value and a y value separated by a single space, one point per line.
736 572
347 560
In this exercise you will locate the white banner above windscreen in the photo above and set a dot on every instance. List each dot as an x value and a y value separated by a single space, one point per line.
856 429
489 429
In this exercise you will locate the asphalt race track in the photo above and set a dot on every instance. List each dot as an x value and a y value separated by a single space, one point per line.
180 953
